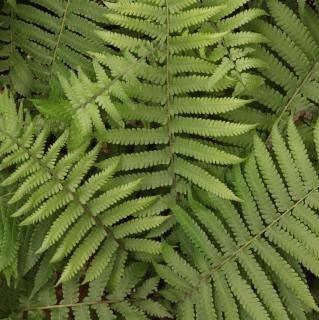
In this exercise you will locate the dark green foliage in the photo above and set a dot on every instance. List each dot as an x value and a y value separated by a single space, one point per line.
46 38
291 70
247 255
159 160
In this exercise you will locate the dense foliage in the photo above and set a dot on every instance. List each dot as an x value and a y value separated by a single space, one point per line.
159 159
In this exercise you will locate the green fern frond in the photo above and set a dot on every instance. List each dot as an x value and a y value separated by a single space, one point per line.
91 105
291 54
132 299
230 21
55 36
171 94
57 188
14 70
249 251
10 237
132 186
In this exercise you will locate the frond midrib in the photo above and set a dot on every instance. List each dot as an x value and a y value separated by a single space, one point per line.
205 277
107 87
78 304
294 95
58 40
65 187
168 101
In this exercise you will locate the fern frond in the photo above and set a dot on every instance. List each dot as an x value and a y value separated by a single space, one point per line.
249 252
14 70
230 21
56 37
291 53
90 103
9 239
126 190
132 299
174 101
83 211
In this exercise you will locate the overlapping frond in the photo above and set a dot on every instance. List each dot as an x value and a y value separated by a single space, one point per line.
291 55
85 214
90 105
14 70
247 260
126 189
53 37
133 297
172 104
234 54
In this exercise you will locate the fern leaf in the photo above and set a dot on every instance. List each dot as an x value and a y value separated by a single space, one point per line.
250 251
203 179
60 191
196 235
154 309
101 260
56 37
161 111
291 53
182 267
129 312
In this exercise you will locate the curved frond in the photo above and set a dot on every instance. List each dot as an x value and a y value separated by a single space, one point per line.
85 211
248 252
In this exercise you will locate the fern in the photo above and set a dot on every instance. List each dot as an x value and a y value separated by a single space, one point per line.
235 52
173 104
249 258
132 299
54 36
291 55
89 104
133 184
14 70
9 239
235 57
85 217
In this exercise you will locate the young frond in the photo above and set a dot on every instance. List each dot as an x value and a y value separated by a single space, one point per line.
237 46
88 104
83 209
